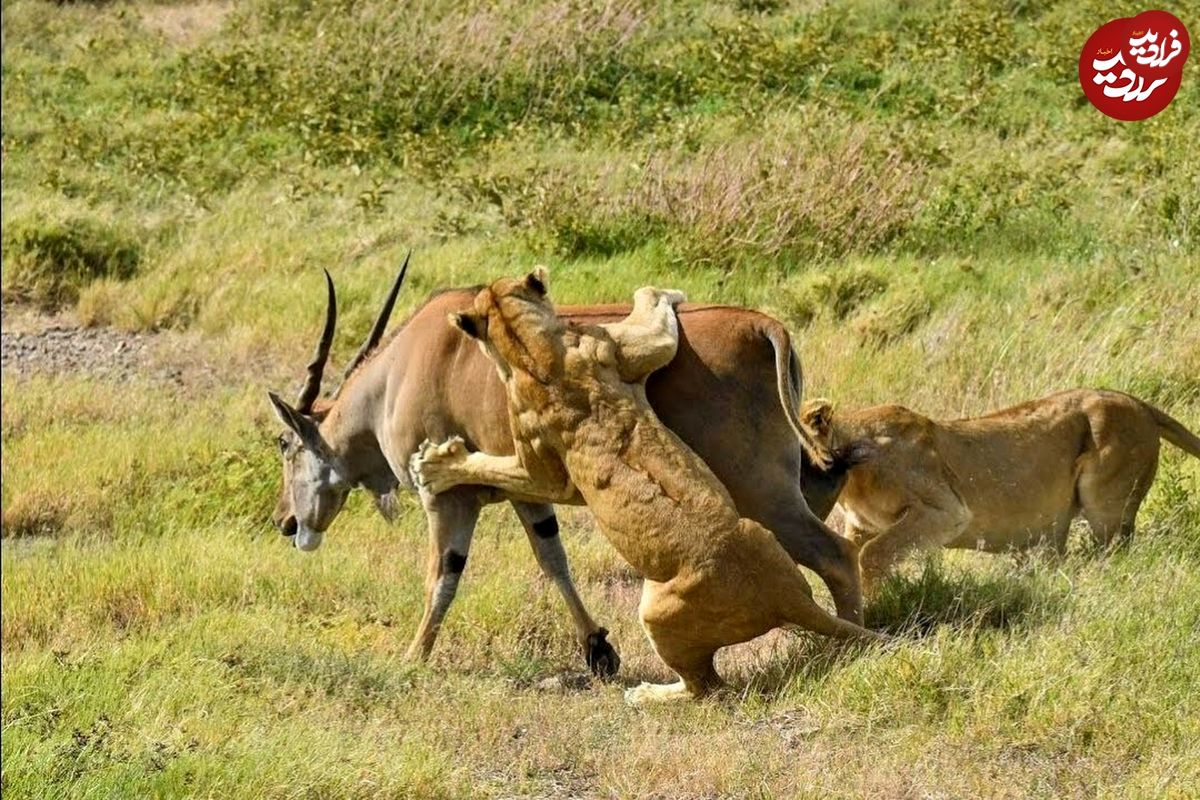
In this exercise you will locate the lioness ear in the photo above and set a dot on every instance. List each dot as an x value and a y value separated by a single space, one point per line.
538 280
817 415
472 325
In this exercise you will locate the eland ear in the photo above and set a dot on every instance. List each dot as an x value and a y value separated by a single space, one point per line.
303 426
538 280
473 325
285 412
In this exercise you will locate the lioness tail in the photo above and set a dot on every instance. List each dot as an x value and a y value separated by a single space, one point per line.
1173 431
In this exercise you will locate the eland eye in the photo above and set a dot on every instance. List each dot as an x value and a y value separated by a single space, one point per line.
283 444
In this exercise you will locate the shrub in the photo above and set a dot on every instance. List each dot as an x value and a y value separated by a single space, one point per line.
421 80
48 261
838 292
892 318
785 197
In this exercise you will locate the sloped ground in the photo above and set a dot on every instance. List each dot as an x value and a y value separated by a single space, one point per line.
35 344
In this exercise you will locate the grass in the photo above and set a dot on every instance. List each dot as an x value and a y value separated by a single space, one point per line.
918 190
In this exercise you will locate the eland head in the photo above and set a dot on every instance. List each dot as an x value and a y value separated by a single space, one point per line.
316 479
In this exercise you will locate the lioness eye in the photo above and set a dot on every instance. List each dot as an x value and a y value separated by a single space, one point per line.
282 444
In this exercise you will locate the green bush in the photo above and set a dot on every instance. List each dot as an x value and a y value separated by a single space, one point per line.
838 292
892 318
48 261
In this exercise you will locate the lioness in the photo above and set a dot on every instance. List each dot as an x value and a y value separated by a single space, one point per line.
581 422
1008 480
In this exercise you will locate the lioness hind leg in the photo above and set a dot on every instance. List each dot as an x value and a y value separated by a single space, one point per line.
792 594
1115 474
672 625
1110 494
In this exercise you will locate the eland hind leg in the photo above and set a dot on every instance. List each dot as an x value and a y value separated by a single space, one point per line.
807 540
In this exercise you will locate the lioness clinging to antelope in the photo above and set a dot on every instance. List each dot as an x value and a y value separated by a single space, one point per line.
1008 480
732 393
581 421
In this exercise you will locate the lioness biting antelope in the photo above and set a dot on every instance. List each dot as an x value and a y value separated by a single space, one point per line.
582 424
1008 480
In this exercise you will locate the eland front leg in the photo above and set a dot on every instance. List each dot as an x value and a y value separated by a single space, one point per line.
541 526
452 516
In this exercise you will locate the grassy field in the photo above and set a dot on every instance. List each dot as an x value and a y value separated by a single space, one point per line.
919 190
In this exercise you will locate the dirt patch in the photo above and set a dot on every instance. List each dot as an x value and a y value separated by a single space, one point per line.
58 349
32 343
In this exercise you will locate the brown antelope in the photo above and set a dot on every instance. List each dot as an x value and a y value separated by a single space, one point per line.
731 393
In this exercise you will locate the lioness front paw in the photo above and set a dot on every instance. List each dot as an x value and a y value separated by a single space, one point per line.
433 467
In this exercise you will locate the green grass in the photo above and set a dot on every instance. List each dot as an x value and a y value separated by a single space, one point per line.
918 190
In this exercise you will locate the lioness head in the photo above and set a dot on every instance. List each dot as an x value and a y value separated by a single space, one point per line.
514 322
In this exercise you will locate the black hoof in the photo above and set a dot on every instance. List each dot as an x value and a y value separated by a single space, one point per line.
602 659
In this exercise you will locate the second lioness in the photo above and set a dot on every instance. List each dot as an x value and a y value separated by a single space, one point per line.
581 422
1008 480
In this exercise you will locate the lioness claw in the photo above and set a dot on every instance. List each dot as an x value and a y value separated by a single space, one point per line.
431 466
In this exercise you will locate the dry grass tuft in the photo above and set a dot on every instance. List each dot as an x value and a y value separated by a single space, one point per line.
34 513
783 196
893 318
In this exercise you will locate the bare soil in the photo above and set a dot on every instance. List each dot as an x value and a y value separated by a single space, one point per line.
54 345
34 343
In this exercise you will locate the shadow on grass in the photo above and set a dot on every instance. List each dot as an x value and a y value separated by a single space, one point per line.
911 608
967 600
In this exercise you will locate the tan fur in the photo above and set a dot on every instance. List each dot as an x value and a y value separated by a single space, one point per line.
1009 480
581 424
